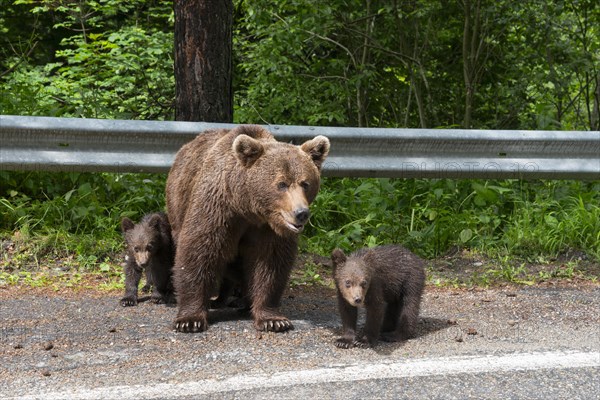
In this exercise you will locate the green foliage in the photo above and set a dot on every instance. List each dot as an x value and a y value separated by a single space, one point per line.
359 63
77 202
555 219
309 275
280 59
127 74
105 70
60 214
430 216
351 63
387 64
64 213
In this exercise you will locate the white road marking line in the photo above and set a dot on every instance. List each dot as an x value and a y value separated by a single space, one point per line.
358 372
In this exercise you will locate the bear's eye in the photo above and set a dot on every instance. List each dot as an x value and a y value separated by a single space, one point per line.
149 247
136 249
348 283
282 186
363 284
304 185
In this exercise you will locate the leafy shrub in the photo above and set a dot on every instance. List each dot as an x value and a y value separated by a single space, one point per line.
430 216
65 213
106 70
74 212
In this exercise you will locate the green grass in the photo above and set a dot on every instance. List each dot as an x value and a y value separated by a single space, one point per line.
498 218
310 274
72 220
61 214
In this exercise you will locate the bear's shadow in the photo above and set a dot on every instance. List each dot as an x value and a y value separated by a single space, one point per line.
147 299
319 308
228 314
426 326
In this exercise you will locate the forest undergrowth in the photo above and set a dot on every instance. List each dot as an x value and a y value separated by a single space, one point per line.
57 226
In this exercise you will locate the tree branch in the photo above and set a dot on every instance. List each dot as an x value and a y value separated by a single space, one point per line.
22 58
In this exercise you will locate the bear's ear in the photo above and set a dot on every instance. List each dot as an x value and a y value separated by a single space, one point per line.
317 149
126 224
369 256
247 150
155 221
338 257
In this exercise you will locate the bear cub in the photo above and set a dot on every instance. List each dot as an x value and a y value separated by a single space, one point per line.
388 282
149 248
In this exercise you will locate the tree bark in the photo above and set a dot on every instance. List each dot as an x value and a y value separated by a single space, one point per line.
361 91
472 46
203 62
595 117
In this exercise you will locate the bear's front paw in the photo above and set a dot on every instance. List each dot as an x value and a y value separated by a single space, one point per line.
344 343
128 301
274 325
158 299
191 324
362 343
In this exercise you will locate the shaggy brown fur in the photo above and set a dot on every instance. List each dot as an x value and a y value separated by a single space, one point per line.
239 196
388 281
149 248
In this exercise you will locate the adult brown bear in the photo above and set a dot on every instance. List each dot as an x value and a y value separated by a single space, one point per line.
239 197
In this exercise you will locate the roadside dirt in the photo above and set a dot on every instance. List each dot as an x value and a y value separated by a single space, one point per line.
71 333
60 341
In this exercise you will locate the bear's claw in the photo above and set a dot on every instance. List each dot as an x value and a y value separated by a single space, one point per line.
347 343
128 301
277 325
344 343
190 326
360 343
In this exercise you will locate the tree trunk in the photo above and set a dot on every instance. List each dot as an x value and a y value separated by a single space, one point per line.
416 88
471 49
595 117
203 65
361 91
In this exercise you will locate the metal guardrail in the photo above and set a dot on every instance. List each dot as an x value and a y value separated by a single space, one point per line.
69 144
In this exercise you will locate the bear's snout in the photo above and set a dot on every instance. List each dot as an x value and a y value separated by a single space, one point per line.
357 300
142 259
302 215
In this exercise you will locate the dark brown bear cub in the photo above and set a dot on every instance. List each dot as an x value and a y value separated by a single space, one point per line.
388 282
149 248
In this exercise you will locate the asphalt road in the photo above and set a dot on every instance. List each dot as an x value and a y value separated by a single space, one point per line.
527 342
